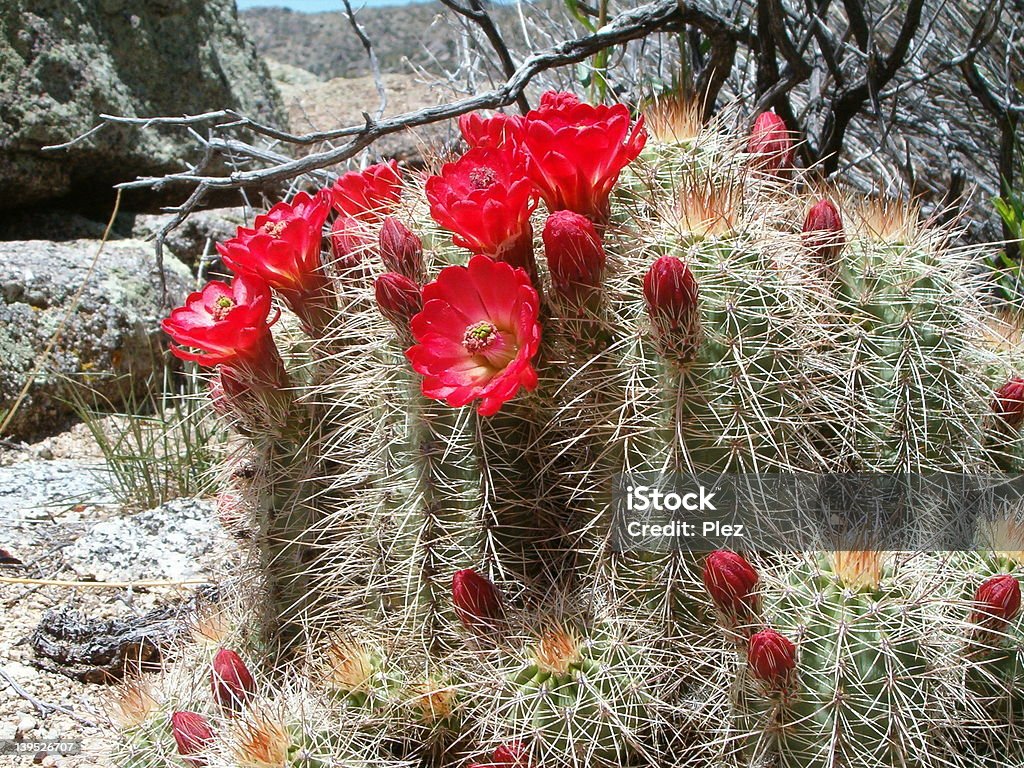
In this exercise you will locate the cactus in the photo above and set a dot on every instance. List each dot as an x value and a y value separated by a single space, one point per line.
436 427
861 677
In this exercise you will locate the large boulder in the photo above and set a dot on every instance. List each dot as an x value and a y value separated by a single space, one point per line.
108 340
63 62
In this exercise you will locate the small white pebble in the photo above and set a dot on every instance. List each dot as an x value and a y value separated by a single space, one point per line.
26 724
50 761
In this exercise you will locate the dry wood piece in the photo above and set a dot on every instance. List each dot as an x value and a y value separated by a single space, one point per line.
105 650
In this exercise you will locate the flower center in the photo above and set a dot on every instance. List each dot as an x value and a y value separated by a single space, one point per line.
482 178
479 337
275 228
221 307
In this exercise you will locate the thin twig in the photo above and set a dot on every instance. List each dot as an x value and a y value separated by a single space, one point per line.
378 80
479 16
44 708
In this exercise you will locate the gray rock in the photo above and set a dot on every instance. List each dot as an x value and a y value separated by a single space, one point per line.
63 62
34 490
287 74
111 340
168 542
194 238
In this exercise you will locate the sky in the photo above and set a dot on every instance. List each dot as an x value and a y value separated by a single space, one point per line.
315 6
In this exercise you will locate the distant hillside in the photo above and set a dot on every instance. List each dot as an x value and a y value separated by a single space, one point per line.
325 44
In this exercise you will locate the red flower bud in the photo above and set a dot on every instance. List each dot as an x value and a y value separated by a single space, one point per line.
192 733
770 139
350 242
671 293
511 755
732 582
231 681
1009 402
398 298
771 658
997 602
401 250
575 255
476 599
823 231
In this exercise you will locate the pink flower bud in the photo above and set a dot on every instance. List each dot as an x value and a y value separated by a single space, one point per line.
1009 402
476 599
401 250
771 658
218 398
398 298
574 252
193 734
997 602
823 231
231 681
770 139
350 243
732 583
513 754
671 293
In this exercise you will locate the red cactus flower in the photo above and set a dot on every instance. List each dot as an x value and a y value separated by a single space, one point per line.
575 255
401 250
284 246
477 335
229 326
284 250
497 131
193 734
576 151
997 602
771 658
485 200
476 600
1009 402
368 195
670 290
398 298
732 583
823 231
771 142
231 681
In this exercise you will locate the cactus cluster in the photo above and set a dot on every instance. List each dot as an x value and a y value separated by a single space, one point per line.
465 365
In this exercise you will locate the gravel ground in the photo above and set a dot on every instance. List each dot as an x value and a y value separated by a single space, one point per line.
58 518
